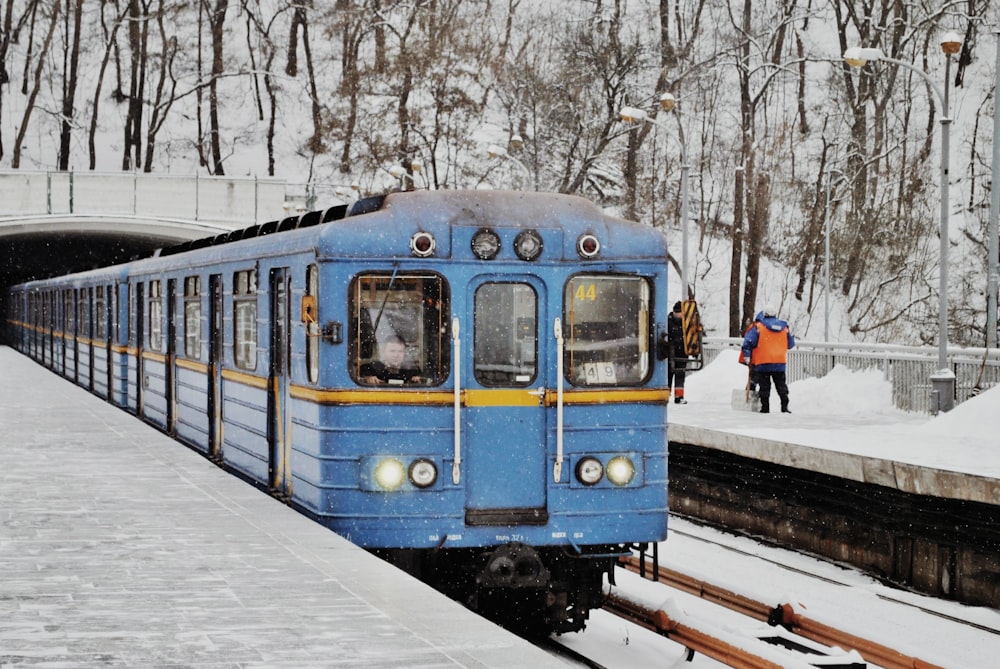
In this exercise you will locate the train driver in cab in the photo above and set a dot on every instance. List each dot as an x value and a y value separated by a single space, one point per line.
390 368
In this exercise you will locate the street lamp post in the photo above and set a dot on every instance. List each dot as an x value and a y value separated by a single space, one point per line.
993 244
826 255
401 173
943 380
496 151
632 115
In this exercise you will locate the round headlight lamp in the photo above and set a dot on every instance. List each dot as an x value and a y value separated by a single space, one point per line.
588 246
621 470
390 473
422 244
423 473
528 245
486 244
589 471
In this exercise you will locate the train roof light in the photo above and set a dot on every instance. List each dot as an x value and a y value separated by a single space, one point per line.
528 245
588 246
422 244
485 244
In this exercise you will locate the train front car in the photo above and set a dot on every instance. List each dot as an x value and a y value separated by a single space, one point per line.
499 429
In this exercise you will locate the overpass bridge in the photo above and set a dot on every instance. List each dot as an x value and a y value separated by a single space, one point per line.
59 222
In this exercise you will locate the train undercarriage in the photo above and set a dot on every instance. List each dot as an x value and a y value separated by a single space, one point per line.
531 591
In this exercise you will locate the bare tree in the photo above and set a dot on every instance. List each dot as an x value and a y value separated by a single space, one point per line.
71 63
29 106
110 47
138 35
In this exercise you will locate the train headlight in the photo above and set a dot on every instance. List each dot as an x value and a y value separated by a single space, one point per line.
422 244
589 471
390 474
486 244
621 470
528 245
423 473
588 246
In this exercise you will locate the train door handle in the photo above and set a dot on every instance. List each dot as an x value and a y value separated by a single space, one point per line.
538 392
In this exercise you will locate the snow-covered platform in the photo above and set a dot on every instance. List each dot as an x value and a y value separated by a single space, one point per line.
844 425
120 547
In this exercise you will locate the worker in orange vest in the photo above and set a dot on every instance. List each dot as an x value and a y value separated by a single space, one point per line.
765 349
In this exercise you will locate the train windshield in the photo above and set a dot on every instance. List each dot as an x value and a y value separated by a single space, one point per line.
398 329
606 330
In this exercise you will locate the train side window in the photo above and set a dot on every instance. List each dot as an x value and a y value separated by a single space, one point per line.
245 315
83 318
311 319
399 329
606 325
505 339
100 313
192 317
155 316
69 312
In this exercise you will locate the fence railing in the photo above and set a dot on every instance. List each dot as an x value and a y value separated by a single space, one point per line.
907 368
185 197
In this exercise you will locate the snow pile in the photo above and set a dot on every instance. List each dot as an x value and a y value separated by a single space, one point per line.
841 392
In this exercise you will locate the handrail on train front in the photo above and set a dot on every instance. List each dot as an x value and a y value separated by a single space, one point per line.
557 330
456 350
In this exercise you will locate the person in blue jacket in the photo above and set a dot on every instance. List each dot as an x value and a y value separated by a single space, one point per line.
765 350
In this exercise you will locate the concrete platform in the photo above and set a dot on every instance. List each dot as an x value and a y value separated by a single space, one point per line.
915 478
120 547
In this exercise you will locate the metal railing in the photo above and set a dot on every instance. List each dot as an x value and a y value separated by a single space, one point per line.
187 197
907 368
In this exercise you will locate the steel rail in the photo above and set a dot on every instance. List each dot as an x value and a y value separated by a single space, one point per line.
782 614
657 620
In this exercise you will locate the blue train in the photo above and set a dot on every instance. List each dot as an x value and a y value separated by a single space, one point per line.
469 384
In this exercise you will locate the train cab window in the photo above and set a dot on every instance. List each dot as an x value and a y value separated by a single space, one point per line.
192 317
606 330
399 329
505 338
155 316
310 317
245 316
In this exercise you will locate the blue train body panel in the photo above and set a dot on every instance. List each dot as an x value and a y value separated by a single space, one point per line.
524 412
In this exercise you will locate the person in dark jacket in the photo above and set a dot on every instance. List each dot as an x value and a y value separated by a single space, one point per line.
677 362
390 368
765 349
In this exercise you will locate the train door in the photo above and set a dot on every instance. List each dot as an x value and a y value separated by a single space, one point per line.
91 325
504 426
278 413
111 319
67 329
170 371
215 338
139 320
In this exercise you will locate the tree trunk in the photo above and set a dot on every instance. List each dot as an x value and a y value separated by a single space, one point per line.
39 68
69 87
94 115
216 22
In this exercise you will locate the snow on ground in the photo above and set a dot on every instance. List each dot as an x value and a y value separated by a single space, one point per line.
915 625
852 412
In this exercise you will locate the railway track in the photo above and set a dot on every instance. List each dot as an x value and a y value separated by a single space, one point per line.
793 631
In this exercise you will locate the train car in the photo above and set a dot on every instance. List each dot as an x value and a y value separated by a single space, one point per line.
465 382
